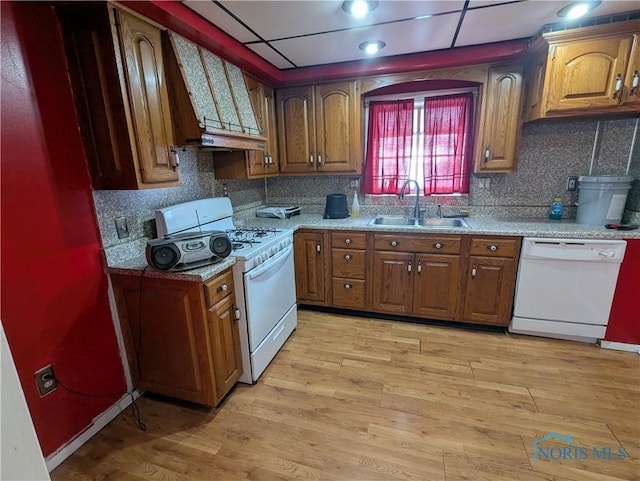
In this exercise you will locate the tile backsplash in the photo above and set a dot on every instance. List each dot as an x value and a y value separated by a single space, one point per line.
549 152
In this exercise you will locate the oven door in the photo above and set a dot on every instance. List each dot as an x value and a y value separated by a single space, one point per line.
270 291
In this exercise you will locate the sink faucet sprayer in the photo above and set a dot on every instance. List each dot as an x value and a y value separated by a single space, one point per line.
416 209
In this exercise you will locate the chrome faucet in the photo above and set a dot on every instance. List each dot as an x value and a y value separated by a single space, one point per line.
416 209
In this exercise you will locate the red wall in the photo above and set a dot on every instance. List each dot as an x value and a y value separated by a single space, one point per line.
624 320
54 288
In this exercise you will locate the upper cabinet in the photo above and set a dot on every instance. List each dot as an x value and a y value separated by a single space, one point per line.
584 71
209 99
253 164
501 122
120 90
319 128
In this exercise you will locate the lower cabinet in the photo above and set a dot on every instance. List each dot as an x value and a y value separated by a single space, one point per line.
491 278
181 337
417 275
312 266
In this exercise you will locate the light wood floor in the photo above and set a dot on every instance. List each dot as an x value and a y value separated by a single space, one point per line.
361 399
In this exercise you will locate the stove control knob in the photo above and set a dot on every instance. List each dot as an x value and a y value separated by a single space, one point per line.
265 256
257 261
274 250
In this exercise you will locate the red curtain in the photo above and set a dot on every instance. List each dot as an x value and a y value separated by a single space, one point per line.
388 146
447 143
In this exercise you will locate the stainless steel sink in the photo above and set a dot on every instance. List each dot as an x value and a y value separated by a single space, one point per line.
440 222
433 222
392 220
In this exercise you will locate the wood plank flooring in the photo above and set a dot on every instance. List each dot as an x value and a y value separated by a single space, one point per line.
362 399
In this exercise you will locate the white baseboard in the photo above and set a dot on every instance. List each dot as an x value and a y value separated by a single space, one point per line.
54 460
620 346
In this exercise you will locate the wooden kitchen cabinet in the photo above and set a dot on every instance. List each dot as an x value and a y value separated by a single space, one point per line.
311 259
586 71
490 283
417 275
319 128
117 74
182 337
502 119
348 269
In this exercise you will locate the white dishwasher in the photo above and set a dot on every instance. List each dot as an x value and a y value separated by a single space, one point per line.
565 287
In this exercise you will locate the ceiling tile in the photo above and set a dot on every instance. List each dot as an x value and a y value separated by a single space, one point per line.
221 19
406 37
281 19
269 55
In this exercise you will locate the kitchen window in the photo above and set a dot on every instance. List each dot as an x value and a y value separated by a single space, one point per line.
427 138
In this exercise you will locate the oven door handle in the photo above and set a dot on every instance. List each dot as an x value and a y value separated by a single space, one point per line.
272 263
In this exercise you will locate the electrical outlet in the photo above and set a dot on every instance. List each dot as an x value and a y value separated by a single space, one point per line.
354 183
484 183
122 228
46 380
572 183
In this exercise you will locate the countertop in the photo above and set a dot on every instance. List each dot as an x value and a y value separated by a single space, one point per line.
481 226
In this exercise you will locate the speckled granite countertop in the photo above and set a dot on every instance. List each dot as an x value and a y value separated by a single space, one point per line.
479 225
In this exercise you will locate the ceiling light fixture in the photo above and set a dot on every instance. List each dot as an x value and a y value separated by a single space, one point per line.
359 8
372 46
577 9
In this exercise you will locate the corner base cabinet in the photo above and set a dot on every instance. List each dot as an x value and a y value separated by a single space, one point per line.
181 337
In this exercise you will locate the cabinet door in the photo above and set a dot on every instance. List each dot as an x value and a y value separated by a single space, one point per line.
152 129
502 122
165 336
224 337
263 164
584 73
337 127
489 292
392 282
436 287
631 92
311 262
297 130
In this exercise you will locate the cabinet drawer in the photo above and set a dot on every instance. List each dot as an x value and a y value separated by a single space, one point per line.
349 240
494 247
218 288
424 244
349 293
347 263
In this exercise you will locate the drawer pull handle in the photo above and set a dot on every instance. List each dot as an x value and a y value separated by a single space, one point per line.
347 257
318 247
222 288
419 267
473 272
319 158
347 241
634 82
492 247
394 243
438 245
236 314
311 160
487 153
409 267
347 286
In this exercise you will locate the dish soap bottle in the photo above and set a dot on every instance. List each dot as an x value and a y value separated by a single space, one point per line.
355 206
556 208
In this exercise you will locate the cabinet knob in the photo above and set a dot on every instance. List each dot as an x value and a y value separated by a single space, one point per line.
236 314
347 241
409 267
634 82
473 271
318 247
222 288
419 267
319 159
347 257
487 153
176 159
347 286
618 86
438 245
394 243
311 160
492 247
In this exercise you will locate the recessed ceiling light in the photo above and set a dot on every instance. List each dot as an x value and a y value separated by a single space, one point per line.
372 46
577 9
359 8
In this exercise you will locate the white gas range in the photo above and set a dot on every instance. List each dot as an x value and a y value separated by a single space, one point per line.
263 276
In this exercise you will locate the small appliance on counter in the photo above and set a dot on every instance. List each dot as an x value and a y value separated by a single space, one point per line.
181 252
278 212
336 207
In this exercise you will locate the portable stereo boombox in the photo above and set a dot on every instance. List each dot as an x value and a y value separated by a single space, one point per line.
188 250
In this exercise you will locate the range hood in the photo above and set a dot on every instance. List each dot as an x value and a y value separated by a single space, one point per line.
210 103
